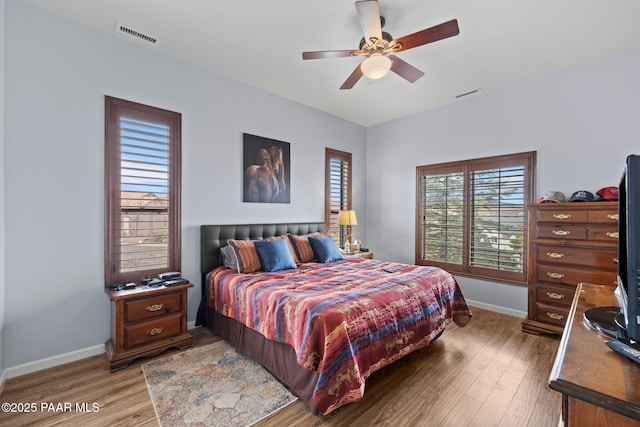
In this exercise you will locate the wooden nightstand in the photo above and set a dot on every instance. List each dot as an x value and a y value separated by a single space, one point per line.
367 255
145 322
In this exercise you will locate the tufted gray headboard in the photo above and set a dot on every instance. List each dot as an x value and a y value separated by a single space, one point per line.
213 237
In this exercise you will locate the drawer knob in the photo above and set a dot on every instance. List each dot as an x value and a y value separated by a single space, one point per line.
555 316
613 235
555 275
555 295
562 216
554 255
613 216
155 307
561 232
155 331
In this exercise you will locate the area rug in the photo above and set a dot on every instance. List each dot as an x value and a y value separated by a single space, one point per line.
212 385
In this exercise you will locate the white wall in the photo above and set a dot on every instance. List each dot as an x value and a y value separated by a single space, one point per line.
582 122
57 74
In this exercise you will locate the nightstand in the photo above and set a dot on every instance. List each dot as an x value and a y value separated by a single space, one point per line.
367 255
145 322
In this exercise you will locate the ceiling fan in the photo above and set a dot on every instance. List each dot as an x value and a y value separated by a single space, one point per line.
378 47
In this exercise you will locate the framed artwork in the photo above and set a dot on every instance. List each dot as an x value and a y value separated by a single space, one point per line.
266 170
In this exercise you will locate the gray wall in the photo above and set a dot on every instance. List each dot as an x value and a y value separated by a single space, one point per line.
2 225
57 75
582 122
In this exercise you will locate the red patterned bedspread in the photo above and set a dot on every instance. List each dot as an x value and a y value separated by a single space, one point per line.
344 319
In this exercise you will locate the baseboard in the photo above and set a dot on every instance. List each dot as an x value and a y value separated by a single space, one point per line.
498 309
52 361
3 379
60 359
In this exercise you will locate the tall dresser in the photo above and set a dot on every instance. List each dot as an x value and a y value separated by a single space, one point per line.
569 243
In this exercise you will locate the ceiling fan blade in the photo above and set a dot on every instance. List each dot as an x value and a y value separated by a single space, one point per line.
404 69
320 54
369 14
429 35
352 79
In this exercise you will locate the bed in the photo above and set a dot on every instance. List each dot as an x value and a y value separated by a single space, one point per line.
322 328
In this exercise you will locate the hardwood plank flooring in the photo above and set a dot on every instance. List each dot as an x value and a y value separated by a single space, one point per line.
488 373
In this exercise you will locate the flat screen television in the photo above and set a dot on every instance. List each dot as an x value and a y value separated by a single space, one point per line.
629 250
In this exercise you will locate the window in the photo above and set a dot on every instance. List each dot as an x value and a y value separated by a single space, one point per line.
337 191
142 190
472 216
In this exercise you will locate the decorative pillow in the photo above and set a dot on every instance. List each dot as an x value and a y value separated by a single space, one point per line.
302 251
228 257
274 255
325 249
301 248
246 255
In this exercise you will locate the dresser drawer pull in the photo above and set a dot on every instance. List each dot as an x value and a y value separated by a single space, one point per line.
561 232
613 216
555 275
554 255
562 216
155 331
555 295
155 307
613 235
555 316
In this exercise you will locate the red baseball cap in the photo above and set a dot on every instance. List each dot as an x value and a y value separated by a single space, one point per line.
608 193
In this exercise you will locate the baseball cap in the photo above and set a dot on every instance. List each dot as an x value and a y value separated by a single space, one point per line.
582 196
608 193
552 196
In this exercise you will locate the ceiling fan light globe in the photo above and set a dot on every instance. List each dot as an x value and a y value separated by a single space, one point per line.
376 66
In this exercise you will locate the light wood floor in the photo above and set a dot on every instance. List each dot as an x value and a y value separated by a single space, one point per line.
486 374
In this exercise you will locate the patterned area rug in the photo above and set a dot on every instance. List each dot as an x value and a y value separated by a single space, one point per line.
212 385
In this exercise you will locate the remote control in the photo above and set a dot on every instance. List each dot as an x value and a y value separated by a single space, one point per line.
625 350
175 282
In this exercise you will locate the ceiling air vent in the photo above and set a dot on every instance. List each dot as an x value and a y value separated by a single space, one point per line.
471 92
141 36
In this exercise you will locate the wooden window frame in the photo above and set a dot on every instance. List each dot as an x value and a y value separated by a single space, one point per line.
114 109
343 156
528 161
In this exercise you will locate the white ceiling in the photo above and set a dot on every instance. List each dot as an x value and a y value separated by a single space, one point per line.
501 43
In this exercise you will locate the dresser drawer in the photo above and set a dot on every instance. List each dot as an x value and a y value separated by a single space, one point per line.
603 233
603 216
561 215
152 307
152 330
564 232
552 314
561 274
555 294
596 258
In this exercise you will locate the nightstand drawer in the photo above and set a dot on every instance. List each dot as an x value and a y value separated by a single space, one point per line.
146 332
150 308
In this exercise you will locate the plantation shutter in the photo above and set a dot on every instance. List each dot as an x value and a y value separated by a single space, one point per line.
443 215
472 216
338 192
497 205
143 191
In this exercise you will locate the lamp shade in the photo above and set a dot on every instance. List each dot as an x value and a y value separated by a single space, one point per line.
347 218
376 66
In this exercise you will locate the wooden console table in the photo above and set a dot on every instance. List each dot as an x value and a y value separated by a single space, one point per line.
599 387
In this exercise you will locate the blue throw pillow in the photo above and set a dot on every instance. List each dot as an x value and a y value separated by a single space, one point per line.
325 249
274 255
